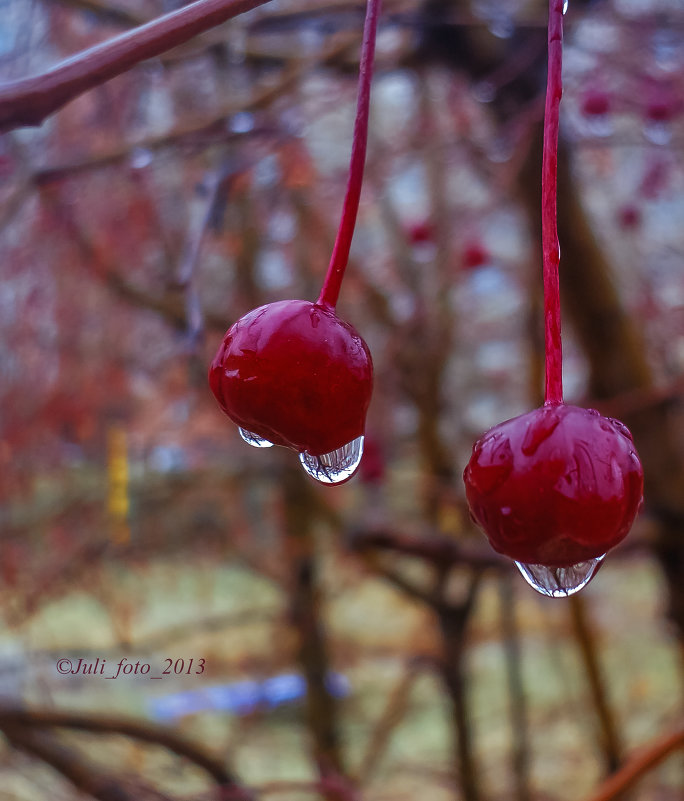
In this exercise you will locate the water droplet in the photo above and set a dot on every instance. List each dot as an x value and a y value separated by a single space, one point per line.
565 6
140 158
242 122
336 466
559 582
253 439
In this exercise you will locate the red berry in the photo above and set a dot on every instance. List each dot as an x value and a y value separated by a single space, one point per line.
421 233
474 255
629 217
292 373
555 487
595 103
661 109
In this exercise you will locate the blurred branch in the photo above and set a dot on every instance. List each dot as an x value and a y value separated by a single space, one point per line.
29 101
519 727
393 712
81 773
452 617
169 304
453 620
217 186
305 614
635 767
108 13
586 641
10 719
437 549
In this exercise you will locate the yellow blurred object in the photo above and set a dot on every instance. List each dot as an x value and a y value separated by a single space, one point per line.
450 520
118 502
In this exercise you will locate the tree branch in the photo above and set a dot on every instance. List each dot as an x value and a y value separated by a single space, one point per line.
137 730
82 774
29 101
438 550
638 765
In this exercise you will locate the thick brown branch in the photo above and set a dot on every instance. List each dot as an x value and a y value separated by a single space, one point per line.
29 101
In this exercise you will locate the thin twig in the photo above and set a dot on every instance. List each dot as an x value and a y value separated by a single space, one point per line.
391 715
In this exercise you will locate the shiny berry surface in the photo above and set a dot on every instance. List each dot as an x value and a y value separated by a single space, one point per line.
294 374
556 486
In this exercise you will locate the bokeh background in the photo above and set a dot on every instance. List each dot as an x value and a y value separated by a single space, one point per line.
361 641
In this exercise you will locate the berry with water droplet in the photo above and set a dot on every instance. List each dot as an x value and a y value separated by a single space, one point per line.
555 487
292 373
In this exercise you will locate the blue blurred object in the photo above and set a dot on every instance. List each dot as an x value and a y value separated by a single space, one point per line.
241 697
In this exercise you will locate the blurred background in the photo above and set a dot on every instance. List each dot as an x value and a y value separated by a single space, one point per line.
361 641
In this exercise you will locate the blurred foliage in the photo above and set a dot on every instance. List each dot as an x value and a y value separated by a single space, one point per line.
134 522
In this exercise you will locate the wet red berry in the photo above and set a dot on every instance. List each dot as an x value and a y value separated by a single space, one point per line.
556 486
294 374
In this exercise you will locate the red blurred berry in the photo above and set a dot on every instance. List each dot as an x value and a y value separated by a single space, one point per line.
421 233
629 217
595 103
474 256
661 109
556 486
294 374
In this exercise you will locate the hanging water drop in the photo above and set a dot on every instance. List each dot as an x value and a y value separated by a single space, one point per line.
559 582
254 440
565 6
336 466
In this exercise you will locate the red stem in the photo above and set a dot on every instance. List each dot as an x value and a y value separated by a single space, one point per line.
340 255
551 249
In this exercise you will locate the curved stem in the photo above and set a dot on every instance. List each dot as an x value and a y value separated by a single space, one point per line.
340 255
551 249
